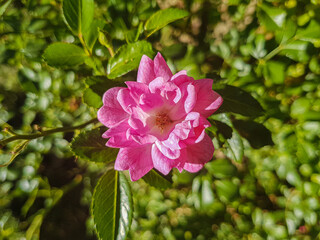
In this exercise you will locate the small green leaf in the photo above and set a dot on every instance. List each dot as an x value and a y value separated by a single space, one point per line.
257 134
16 151
92 34
112 206
221 168
64 54
297 50
157 180
91 98
162 18
239 101
128 58
91 146
235 149
311 33
78 15
272 18
226 190
274 71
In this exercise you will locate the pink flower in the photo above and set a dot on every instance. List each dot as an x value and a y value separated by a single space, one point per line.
159 121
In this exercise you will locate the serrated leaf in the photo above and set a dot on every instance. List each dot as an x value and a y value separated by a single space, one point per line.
162 18
112 206
239 101
155 179
256 134
91 146
128 58
64 54
78 15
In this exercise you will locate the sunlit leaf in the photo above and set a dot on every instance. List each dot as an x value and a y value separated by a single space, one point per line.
64 55
128 58
112 206
162 18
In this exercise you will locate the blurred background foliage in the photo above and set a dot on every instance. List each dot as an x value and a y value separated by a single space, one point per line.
264 180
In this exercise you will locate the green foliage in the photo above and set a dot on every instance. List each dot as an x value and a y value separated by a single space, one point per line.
91 146
58 58
112 206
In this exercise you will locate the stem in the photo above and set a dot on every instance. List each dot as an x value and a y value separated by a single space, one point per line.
45 133
273 53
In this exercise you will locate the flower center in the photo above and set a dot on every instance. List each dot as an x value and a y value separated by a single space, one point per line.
162 120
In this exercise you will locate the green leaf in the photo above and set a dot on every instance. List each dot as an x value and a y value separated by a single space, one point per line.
272 18
97 86
91 146
239 101
128 58
274 71
157 180
112 206
162 18
296 50
15 153
221 168
4 7
311 33
257 134
288 32
92 34
78 15
226 190
235 149
64 54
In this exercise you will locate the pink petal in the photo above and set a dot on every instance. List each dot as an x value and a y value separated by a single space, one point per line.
125 100
161 162
117 129
121 141
137 160
171 153
191 98
137 89
161 68
208 101
198 154
145 71
111 113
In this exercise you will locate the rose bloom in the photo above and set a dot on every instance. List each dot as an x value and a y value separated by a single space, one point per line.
159 121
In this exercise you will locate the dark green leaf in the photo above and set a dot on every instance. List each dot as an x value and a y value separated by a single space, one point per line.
97 86
128 58
112 206
239 101
91 146
64 54
257 134
4 7
157 180
78 15
162 18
